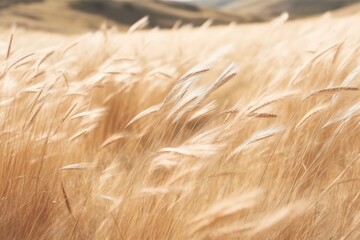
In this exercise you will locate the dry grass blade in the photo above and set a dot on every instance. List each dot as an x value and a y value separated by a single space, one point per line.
259 136
83 132
349 78
285 214
182 100
6 102
142 23
353 111
309 114
336 180
42 60
33 116
20 60
116 201
194 150
333 90
77 166
9 46
186 173
208 108
162 162
223 209
144 113
70 46
270 99
67 202
281 19
71 109
36 88
96 113
159 72
207 24
188 102
154 191
262 115
237 230
182 108
227 75
183 84
112 139
195 71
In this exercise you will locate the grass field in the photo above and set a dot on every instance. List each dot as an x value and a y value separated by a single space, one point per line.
234 132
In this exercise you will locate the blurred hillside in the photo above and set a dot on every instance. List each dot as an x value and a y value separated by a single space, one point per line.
295 8
270 8
72 16
75 16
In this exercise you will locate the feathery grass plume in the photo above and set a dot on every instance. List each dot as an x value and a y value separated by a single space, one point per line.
145 113
262 115
112 139
169 158
245 230
77 166
186 104
332 90
230 113
17 61
225 76
303 69
96 113
223 209
188 79
197 96
184 83
351 77
228 74
311 113
83 131
238 230
208 108
168 161
283 215
115 201
258 137
185 173
193 150
43 59
270 99
154 191
353 111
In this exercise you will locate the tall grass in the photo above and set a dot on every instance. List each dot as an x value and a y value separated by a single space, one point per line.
236 132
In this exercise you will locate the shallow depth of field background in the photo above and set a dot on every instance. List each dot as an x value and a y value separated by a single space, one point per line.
147 120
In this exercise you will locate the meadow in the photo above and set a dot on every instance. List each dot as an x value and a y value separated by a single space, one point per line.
228 132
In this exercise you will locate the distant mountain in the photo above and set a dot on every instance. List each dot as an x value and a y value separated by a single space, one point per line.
7 3
349 10
73 16
213 3
161 13
272 8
